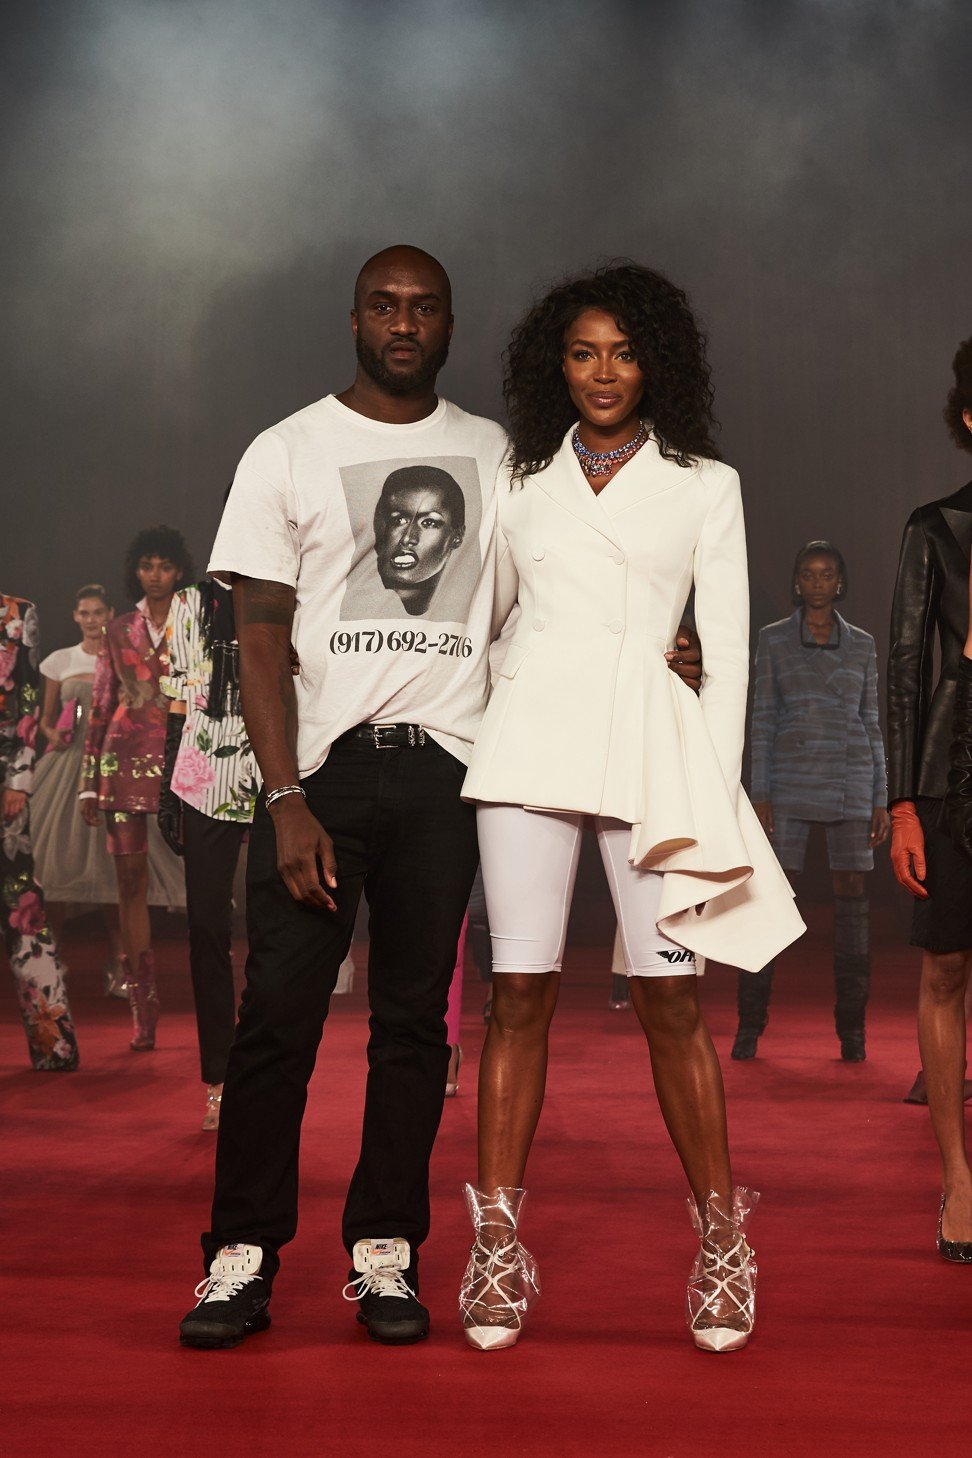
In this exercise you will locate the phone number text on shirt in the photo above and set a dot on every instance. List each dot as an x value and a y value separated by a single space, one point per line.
401 640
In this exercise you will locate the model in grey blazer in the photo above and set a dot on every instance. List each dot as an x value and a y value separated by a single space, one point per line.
817 749
818 757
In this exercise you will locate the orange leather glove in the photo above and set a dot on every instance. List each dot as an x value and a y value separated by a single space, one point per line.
908 848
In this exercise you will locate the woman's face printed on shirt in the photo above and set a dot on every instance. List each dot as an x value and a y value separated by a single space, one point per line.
419 523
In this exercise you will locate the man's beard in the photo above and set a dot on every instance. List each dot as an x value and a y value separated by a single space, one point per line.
398 382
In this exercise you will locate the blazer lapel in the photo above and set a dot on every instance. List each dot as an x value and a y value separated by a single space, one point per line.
565 483
826 662
960 525
646 474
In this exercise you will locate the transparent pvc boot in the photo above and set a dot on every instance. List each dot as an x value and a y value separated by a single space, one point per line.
721 1297
501 1282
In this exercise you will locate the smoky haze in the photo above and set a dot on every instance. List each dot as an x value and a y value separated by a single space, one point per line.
190 187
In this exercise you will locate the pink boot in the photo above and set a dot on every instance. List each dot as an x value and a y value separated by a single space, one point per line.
143 999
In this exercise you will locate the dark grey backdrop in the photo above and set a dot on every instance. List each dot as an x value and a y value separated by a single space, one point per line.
189 188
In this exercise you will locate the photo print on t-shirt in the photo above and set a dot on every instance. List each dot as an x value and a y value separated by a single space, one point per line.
416 538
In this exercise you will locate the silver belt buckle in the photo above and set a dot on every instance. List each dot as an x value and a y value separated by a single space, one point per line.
376 735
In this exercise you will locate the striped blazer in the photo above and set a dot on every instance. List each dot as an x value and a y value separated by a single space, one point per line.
817 750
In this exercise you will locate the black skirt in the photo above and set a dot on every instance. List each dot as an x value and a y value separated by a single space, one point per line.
943 923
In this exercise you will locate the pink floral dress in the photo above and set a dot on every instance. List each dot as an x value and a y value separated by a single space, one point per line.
125 742
51 1039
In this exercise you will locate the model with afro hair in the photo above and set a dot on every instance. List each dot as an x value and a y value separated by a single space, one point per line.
668 344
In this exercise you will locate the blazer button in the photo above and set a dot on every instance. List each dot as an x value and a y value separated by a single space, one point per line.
619 558
616 626
539 624
538 554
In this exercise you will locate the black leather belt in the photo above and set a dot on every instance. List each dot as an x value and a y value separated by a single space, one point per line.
388 736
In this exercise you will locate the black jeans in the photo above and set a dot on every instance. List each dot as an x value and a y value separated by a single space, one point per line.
403 836
212 849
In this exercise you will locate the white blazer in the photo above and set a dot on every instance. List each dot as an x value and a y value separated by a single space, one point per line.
587 716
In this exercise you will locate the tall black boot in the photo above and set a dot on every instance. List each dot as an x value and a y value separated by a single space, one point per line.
852 973
752 1003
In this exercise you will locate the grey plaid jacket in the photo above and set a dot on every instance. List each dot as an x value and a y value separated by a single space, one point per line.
817 749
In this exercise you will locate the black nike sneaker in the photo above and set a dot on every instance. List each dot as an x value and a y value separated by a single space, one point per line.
387 1304
234 1301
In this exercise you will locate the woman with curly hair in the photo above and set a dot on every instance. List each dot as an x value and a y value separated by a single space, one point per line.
617 506
124 750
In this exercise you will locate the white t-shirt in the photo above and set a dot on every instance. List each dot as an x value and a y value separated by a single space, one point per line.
387 534
68 663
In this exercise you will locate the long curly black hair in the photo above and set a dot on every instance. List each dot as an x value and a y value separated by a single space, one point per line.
960 397
157 541
668 344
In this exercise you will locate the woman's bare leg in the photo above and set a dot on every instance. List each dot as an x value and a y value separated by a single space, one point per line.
688 1081
109 917
513 1074
133 912
941 1039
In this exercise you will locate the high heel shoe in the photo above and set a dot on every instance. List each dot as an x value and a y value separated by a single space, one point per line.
452 1077
214 1097
620 995
501 1283
959 1251
721 1296
143 999
114 975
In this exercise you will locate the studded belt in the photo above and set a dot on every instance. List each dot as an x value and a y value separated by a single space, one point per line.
388 736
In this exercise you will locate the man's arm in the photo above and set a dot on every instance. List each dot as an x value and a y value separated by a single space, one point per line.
264 614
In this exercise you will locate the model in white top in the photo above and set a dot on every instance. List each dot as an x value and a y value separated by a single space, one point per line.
615 511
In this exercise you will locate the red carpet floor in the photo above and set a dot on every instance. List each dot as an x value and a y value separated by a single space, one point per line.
864 1337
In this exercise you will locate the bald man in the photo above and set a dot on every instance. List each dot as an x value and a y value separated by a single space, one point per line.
362 758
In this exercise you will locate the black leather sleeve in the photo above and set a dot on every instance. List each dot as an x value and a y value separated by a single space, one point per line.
958 800
910 661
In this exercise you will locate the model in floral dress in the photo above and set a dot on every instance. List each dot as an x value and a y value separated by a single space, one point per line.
29 940
72 865
123 752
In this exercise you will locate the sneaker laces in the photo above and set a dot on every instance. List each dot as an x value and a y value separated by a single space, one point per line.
385 1281
222 1287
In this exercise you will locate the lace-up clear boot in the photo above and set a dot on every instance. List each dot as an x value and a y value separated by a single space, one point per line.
501 1282
721 1298
233 1302
143 1000
387 1304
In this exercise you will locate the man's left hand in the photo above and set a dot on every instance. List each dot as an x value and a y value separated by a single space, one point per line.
685 658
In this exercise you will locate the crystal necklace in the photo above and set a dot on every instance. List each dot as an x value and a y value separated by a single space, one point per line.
600 463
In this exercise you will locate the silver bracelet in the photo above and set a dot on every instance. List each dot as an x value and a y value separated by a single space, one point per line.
284 790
